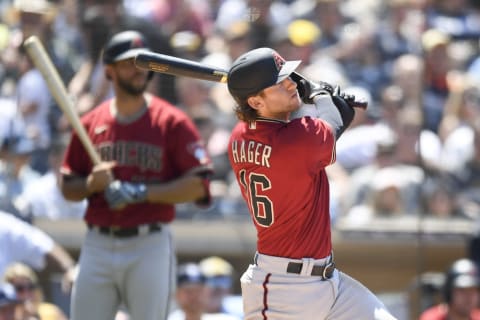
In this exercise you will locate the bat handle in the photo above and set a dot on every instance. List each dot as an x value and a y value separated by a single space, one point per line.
355 102
360 104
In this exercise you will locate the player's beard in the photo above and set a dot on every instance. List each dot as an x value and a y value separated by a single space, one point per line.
129 86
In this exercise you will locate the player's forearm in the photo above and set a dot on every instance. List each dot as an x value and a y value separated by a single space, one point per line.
74 188
59 257
185 189
62 260
336 112
327 111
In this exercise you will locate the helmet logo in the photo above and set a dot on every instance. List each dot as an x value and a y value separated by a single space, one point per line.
472 273
137 43
279 61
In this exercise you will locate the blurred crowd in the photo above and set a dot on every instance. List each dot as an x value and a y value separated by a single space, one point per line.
204 290
413 151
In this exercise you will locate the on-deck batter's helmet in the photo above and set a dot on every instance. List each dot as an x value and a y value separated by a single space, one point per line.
124 45
463 273
256 70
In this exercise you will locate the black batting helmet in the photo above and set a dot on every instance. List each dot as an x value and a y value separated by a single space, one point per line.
256 70
463 273
124 45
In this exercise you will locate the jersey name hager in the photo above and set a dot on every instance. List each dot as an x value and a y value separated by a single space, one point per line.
252 152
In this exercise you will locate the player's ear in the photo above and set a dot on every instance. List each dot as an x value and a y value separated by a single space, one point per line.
150 75
255 102
108 71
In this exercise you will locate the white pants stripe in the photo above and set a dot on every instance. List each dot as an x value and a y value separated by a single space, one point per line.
270 293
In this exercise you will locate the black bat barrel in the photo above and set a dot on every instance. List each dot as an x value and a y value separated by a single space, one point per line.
179 67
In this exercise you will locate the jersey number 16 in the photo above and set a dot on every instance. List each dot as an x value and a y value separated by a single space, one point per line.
261 207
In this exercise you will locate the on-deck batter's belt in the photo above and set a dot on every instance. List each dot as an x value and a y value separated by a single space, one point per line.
119 232
326 271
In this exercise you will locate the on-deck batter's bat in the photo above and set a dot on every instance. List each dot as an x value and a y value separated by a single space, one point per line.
43 63
163 63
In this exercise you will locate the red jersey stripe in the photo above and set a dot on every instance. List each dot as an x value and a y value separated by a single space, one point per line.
265 296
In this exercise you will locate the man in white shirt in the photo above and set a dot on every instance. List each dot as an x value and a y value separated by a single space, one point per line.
22 242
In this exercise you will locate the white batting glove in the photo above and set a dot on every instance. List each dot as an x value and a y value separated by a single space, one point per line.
120 194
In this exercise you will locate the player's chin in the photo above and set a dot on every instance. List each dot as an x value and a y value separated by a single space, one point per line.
140 78
140 82
296 100
136 89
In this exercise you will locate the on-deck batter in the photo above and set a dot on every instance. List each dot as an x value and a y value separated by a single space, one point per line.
280 165
152 157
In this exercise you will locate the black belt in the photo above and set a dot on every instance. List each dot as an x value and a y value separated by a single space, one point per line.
326 271
119 232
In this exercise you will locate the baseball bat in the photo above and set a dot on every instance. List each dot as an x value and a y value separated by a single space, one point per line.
44 64
163 63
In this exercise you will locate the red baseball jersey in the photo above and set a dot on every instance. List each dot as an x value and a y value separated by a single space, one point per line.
440 312
161 145
280 167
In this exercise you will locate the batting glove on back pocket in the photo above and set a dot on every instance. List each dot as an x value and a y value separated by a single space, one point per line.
120 194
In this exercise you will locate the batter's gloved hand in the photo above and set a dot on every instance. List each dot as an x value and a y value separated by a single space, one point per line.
120 194
308 89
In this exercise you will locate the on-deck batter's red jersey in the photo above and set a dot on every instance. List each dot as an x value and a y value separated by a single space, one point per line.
161 145
440 312
280 169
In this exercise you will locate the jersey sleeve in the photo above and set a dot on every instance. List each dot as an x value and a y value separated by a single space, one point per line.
315 137
189 148
191 155
76 160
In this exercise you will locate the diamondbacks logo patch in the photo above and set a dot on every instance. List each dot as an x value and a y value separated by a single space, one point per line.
198 151
279 61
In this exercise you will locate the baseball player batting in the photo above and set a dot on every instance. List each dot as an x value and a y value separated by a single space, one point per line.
279 164
152 157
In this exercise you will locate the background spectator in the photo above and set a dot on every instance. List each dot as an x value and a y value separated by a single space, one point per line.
9 303
416 62
219 274
15 174
192 296
29 291
22 242
461 295
34 104
42 197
